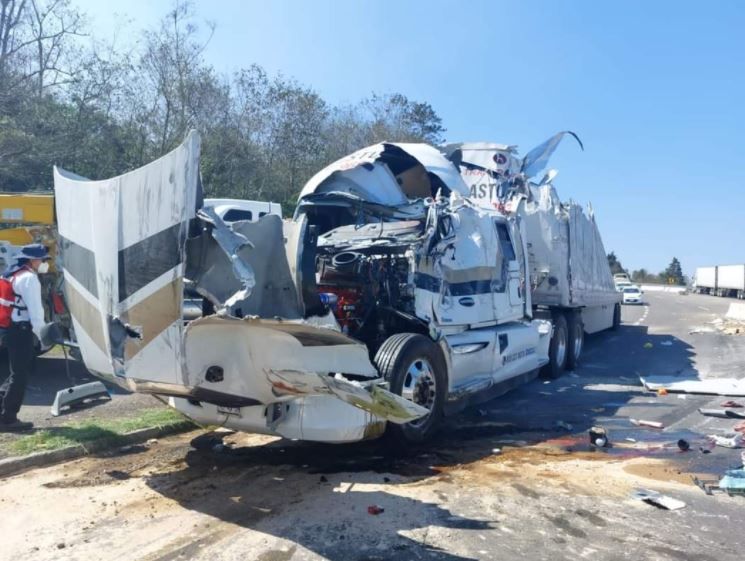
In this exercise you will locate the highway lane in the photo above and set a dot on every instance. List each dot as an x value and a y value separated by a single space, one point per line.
503 481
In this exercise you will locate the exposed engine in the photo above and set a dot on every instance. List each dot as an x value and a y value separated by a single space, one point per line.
368 290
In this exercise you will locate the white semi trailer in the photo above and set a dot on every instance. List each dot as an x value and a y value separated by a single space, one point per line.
390 299
721 280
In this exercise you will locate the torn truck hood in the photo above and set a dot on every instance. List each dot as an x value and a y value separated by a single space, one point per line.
124 259
388 173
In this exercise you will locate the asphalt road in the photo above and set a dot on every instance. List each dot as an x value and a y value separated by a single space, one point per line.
502 482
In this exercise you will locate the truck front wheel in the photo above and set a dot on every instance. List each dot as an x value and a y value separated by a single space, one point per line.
415 369
558 349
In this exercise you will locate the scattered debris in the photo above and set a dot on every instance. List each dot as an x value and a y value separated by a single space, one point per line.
667 343
697 330
323 479
704 450
643 423
598 437
739 427
661 391
152 441
386 480
728 440
629 439
657 499
683 445
732 483
564 425
731 403
648 345
375 510
75 396
496 451
722 413
573 375
682 396
718 386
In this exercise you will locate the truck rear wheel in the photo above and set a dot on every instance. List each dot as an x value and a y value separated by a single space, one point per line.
576 331
415 369
558 349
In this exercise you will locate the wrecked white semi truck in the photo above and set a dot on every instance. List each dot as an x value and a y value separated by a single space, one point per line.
388 299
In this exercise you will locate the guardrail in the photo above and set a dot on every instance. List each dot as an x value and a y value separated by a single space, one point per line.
663 288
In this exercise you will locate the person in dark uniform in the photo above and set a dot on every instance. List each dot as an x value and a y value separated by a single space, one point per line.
27 320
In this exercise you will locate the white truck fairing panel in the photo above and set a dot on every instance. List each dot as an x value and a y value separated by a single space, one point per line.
122 242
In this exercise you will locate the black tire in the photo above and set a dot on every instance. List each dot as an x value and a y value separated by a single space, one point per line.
576 339
394 360
557 351
616 317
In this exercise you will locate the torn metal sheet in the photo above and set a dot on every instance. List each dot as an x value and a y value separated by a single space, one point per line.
385 173
373 398
231 242
717 386
537 159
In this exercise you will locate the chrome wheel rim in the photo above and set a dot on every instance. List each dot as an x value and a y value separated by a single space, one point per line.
420 386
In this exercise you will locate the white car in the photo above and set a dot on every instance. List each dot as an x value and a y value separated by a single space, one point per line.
632 295
236 210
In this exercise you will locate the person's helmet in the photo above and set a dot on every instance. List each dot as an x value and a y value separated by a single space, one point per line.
33 251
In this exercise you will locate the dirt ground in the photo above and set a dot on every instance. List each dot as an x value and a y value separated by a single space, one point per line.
503 480
268 499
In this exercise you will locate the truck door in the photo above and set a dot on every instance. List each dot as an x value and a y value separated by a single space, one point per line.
508 296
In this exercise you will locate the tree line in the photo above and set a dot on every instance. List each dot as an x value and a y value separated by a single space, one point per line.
100 108
673 274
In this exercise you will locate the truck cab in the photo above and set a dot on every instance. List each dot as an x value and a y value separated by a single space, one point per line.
389 299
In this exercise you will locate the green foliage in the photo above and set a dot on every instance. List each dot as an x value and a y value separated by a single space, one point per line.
615 264
102 110
94 431
674 273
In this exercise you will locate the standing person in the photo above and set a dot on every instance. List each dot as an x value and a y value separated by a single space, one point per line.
27 320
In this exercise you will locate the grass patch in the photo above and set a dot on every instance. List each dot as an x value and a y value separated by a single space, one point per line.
96 430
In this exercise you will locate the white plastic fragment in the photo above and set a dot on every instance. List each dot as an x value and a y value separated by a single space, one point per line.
728 440
658 499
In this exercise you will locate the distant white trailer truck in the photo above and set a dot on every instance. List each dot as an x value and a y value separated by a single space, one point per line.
721 280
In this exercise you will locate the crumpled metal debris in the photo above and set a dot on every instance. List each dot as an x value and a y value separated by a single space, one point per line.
231 243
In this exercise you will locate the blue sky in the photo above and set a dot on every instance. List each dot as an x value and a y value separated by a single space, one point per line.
656 91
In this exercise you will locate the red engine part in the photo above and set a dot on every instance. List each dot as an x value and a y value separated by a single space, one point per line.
348 310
